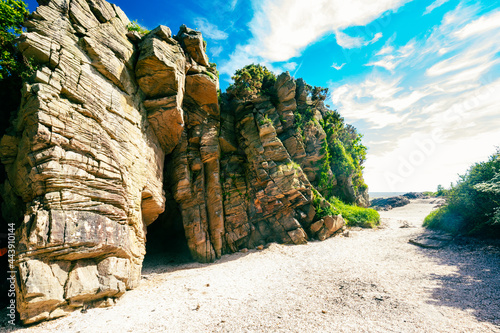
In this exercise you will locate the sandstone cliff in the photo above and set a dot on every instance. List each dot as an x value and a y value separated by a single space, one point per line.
110 123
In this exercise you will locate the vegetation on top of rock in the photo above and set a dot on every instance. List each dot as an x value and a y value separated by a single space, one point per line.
251 80
345 152
338 172
134 26
213 68
12 63
473 203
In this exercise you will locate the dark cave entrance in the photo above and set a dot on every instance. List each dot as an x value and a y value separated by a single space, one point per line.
166 242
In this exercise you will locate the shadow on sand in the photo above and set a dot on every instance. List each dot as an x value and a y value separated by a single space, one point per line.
475 286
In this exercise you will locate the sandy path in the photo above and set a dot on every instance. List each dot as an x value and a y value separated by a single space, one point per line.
372 281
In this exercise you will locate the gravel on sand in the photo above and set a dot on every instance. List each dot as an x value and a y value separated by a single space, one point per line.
370 281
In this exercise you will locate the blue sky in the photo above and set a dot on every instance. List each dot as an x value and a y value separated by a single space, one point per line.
420 79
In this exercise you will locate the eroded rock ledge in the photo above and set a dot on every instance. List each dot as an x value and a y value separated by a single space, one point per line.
86 166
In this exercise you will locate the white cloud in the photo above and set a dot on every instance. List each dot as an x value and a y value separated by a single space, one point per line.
434 5
232 4
338 67
402 103
208 29
215 51
454 93
242 55
386 63
351 98
282 28
348 42
391 59
377 36
481 25
453 64
290 66
385 50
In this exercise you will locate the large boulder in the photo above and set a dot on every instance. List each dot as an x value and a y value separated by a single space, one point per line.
192 41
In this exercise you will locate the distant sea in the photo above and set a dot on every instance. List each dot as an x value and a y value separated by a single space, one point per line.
384 194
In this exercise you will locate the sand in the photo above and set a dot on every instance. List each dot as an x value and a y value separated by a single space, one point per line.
371 281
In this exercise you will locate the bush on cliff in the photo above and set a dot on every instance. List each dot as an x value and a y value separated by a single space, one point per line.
13 68
12 63
473 203
342 150
346 150
134 26
251 80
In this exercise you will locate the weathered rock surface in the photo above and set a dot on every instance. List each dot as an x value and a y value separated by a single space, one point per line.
327 226
432 240
389 203
85 162
111 121
414 195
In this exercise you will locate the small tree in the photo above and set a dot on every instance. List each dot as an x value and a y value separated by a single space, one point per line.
12 16
319 93
252 80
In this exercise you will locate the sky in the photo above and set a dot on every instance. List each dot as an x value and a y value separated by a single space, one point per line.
419 79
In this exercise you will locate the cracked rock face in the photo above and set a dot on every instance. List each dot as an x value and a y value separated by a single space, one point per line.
85 162
108 115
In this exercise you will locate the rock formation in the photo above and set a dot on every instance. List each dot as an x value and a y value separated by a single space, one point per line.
110 121
389 203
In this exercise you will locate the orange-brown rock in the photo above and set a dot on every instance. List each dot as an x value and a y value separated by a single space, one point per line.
110 122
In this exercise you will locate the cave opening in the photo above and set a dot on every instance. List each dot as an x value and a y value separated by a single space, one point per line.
166 242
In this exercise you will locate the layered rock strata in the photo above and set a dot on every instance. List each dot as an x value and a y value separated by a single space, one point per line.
99 118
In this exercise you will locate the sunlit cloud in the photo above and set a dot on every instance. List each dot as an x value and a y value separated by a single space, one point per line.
446 120
338 67
481 25
434 5
348 42
208 29
290 66
278 36
215 51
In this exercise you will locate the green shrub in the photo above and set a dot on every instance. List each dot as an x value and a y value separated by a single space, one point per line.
353 215
134 26
14 66
441 191
252 80
473 203
213 68
322 207
347 154
265 120
356 216
210 74
12 62
443 219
